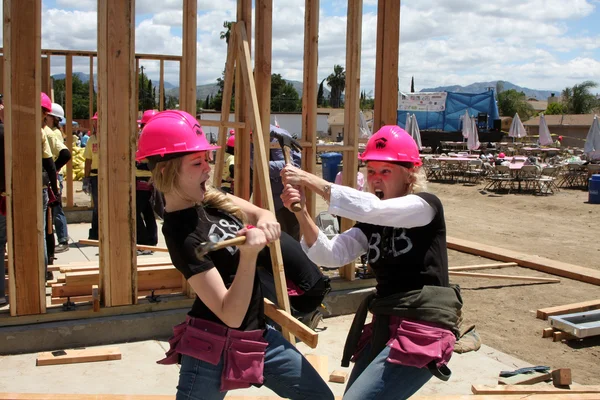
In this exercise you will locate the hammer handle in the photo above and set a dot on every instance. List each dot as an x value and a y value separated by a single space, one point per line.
287 156
229 242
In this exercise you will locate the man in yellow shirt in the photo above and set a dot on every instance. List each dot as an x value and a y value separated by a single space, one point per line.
228 166
90 180
61 156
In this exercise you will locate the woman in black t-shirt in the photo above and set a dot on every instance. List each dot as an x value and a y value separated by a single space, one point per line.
402 231
224 343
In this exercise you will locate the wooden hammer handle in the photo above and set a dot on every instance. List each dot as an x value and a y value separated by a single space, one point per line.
229 242
287 156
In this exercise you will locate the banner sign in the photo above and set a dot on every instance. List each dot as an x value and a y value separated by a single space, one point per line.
435 102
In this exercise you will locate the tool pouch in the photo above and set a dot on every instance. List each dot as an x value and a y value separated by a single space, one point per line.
244 360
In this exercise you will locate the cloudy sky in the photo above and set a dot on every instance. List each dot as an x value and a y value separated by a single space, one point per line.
540 44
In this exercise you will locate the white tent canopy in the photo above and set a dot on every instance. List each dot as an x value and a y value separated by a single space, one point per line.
545 137
517 130
592 141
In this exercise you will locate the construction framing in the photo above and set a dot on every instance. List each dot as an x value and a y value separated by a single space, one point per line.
117 73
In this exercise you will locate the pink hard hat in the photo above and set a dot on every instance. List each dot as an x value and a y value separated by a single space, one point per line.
46 102
148 114
501 155
392 143
171 132
231 141
232 132
95 117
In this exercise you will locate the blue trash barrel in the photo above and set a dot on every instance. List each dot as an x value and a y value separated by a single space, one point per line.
330 162
593 188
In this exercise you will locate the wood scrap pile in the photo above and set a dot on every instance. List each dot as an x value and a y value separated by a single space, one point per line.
572 321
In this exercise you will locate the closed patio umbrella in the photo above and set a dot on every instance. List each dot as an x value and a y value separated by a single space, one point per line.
473 139
517 130
545 138
592 141
466 127
415 131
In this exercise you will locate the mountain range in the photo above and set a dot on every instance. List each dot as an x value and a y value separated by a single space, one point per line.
480 87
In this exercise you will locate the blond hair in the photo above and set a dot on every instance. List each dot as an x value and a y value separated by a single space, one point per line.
418 180
165 177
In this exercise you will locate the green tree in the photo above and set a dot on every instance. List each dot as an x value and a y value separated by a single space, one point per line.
146 99
81 95
226 34
412 84
511 102
555 109
284 97
320 96
579 99
337 82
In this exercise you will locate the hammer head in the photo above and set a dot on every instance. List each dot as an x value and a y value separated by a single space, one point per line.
285 139
206 247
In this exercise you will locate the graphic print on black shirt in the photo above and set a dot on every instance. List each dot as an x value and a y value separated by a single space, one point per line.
184 231
407 259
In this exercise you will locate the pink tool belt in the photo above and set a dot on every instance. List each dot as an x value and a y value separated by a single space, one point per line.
243 351
413 343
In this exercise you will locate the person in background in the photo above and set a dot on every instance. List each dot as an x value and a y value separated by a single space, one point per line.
90 180
558 141
61 156
146 228
2 205
501 160
49 181
228 166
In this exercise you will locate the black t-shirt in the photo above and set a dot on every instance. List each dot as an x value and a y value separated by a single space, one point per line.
184 230
408 259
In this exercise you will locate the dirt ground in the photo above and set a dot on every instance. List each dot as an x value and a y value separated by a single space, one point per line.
561 227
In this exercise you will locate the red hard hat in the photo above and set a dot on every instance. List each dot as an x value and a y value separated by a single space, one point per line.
46 102
171 132
501 155
148 114
560 138
391 143
231 141
232 132
95 115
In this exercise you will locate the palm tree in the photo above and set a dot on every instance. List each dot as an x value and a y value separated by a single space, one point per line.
337 83
225 34
579 99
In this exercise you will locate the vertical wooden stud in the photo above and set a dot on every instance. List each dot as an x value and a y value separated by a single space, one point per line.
386 64
69 125
117 139
309 94
187 97
22 87
352 108
46 87
161 87
242 136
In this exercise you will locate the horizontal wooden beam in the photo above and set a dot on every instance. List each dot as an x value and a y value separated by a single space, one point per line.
90 297
84 53
76 356
535 262
90 242
544 313
94 266
218 124
508 277
540 389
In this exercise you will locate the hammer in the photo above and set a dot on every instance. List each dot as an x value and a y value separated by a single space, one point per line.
214 244
288 143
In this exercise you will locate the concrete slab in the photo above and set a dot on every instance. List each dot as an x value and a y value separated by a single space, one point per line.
138 373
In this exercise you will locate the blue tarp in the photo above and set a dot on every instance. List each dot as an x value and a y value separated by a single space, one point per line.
456 104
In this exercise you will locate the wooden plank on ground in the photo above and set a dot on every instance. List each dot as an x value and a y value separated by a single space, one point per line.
526 379
547 332
320 364
508 277
286 321
483 266
338 376
22 83
75 356
544 313
538 263
64 396
562 377
541 389
559 336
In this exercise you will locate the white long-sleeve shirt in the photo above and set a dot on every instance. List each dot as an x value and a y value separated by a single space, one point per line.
409 211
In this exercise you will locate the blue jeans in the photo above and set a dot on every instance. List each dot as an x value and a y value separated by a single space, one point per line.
58 216
3 245
45 210
286 372
93 234
382 380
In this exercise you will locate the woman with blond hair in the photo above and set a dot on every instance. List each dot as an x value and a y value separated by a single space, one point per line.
224 343
402 231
